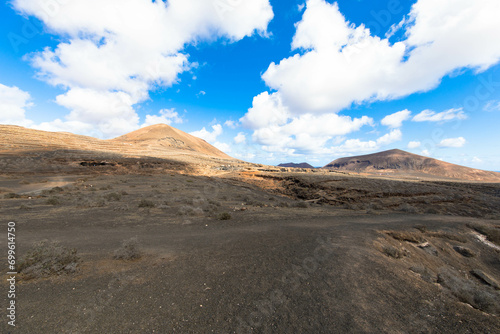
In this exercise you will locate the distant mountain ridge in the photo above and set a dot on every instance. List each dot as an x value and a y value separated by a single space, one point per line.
295 165
401 162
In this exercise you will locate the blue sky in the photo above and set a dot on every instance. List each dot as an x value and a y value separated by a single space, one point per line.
265 81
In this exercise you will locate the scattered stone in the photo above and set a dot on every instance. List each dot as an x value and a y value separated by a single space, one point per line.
428 248
487 279
464 251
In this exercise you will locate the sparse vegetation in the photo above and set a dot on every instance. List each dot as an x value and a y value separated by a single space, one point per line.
48 258
405 207
53 201
393 252
11 195
145 203
224 216
300 204
406 236
448 236
129 250
113 197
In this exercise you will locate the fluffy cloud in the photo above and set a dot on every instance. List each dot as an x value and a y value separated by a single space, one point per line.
208 136
240 138
230 124
414 144
391 137
432 116
277 129
267 109
118 50
211 137
339 64
396 120
13 104
344 64
166 116
353 146
453 142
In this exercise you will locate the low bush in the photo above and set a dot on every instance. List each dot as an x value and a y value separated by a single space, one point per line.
144 203
301 205
53 201
48 258
113 197
129 250
407 236
224 216
393 252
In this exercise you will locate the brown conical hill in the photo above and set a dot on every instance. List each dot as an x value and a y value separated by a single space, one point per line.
160 141
162 135
398 162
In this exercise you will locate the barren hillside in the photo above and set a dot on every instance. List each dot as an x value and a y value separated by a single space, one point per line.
399 162
160 141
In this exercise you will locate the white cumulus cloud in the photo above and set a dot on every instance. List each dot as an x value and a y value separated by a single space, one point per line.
208 136
396 120
344 64
414 144
453 142
337 64
240 138
432 116
13 105
118 50
166 116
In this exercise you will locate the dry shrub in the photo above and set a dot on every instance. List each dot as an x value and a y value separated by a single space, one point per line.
407 236
405 207
144 203
113 197
301 205
129 250
393 252
53 201
48 258
448 236
224 216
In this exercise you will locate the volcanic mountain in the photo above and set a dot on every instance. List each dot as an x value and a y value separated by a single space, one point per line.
159 141
165 136
398 162
294 165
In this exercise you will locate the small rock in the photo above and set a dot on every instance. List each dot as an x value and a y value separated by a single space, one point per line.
487 279
464 251
428 248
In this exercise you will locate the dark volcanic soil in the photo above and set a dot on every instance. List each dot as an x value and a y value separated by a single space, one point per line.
278 265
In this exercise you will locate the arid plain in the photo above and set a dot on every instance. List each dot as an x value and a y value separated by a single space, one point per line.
158 232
